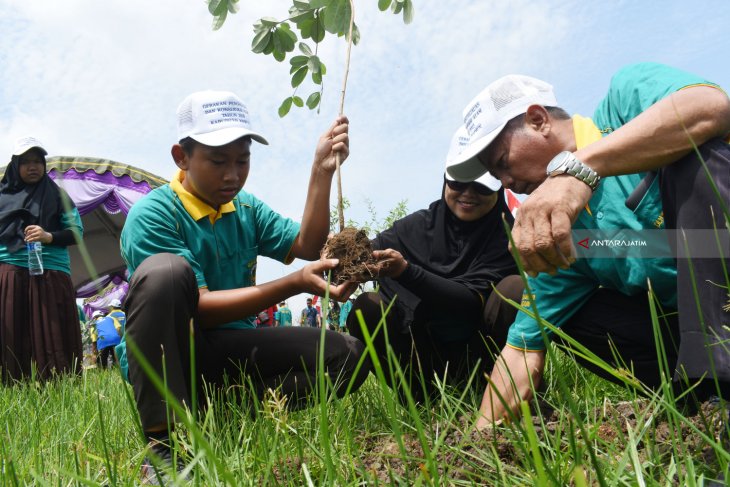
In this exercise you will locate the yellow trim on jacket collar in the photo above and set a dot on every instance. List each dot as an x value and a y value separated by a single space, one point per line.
196 207
586 133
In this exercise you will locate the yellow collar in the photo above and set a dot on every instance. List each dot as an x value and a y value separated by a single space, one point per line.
196 207
586 133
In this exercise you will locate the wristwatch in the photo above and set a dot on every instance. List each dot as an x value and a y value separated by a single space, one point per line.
566 163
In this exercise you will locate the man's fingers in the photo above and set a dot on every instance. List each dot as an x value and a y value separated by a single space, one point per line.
563 237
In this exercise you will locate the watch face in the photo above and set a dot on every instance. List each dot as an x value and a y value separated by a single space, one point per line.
556 162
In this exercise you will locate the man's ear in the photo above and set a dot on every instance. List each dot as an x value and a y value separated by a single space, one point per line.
179 156
537 118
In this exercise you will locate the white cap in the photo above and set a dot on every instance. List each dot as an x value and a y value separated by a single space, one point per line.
24 144
487 114
459 141
214 118
97 313
115 303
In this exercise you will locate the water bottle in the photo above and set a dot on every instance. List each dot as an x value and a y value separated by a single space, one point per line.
35 258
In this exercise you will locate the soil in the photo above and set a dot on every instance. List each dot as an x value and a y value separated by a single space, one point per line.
470 455
352 247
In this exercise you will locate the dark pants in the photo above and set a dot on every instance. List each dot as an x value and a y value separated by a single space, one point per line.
161 305
618 329
419 353
105 354
690 203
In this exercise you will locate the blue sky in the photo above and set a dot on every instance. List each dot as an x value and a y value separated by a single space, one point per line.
103 79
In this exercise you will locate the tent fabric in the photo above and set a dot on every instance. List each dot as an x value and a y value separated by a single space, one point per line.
115 288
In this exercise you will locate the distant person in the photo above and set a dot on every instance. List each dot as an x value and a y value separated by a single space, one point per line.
333 316
39 322
265 318
344 313
109 331
282 317
438 267
191 247
311 316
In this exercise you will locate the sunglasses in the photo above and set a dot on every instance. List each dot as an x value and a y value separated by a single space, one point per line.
459 187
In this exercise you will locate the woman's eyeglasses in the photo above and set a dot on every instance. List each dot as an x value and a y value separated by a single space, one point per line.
460 187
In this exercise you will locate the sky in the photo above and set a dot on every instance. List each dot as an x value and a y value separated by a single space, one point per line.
104 79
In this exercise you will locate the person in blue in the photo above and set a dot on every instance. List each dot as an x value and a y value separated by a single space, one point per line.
108 332
344 312
191 248
311 316
631 166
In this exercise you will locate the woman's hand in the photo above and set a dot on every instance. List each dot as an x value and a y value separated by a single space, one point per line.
390 263
35 233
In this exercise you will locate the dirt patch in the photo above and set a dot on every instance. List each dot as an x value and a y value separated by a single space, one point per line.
352 247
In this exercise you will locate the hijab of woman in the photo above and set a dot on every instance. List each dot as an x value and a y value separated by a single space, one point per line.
27 204
472 253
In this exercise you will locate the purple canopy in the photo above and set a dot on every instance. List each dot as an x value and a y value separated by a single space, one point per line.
103 192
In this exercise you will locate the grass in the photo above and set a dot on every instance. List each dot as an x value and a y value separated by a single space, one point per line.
83 431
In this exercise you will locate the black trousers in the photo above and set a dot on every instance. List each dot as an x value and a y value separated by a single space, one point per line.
105 354
161 306
690 203
419 353
618 329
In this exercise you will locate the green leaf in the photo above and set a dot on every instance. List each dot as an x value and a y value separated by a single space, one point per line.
321 3
396 7
355 34
285 107
383 5
299 76
269 21
233 6
305 28
298 101
408 11
287 37
301 5
305 49
317 78
313 64
298 61
337 17
279 55
318 30
260 40
313 100
213 6
269 46
219 20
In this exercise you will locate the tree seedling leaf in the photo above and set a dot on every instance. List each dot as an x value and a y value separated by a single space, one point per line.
285 107
313 100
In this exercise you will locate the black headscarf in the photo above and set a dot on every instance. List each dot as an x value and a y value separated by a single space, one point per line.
27 204
473 253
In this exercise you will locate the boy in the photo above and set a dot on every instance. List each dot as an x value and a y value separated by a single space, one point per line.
191 248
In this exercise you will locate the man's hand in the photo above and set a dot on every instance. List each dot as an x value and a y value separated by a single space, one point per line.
514 375
334 141
542 230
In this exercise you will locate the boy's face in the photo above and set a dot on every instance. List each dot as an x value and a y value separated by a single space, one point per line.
215 174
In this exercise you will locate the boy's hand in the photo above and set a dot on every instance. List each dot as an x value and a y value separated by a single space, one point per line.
334 140
314 283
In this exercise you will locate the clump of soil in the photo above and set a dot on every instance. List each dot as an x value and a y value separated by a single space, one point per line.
352 247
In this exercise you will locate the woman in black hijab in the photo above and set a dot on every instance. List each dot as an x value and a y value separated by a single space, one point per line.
39 325
437 268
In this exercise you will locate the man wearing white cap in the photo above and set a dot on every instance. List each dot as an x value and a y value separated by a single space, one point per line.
191 248
630 167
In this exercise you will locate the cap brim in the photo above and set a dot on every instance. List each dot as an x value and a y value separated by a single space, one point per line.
226 136
23 150
486 179
465 166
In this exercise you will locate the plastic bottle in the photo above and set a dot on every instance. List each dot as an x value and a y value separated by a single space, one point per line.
35 258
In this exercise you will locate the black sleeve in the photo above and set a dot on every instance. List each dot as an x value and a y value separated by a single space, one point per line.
63 238
439 291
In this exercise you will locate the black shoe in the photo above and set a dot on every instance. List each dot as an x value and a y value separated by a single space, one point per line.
161 466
